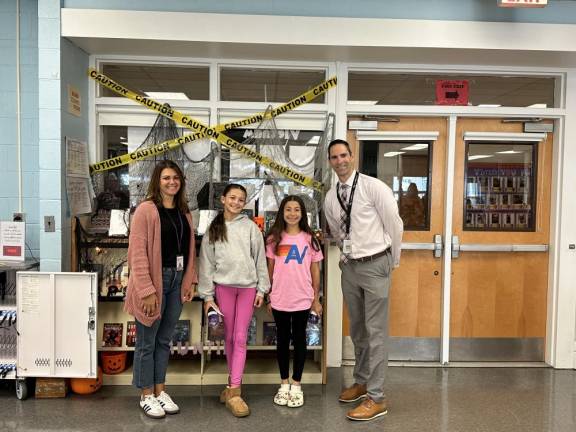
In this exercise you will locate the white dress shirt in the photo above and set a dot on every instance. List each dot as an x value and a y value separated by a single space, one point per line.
375 222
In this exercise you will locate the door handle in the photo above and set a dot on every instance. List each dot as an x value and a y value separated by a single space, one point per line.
478 247
436 246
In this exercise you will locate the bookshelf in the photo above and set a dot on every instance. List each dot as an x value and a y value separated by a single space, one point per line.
208 365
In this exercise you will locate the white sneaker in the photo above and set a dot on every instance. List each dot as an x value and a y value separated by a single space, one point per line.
152 407
295 397
167 403
282 395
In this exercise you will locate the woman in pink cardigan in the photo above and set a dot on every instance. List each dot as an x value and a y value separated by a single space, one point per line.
161 257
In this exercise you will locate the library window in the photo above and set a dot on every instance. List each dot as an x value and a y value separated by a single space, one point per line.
160 82
267 85
377 88
405 167
499 189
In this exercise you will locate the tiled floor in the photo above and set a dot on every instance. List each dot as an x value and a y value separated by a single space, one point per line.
421 399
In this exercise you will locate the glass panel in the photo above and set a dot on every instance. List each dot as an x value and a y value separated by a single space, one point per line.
418 89
112 186
160 82
297 149
126 186
405 167
267 85
499 192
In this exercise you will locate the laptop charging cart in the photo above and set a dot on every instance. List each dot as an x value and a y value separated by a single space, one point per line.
56 325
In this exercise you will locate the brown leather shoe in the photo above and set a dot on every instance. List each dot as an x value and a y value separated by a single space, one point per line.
368 410
352 394
236 404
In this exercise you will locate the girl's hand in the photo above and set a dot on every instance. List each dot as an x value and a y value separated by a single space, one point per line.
317 307
258 301
269 308
210 304
149 305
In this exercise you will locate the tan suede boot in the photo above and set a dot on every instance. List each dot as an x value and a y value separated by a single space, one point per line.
236 404
224 396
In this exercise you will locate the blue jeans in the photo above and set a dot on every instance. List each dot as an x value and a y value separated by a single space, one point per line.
152 350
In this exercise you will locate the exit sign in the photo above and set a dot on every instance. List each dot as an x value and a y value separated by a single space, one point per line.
522 3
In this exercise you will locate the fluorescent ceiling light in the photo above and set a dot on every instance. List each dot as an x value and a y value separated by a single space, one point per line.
509 152
474 157
362 102
489 105
167 95
537 105
415 147
122 138
392 154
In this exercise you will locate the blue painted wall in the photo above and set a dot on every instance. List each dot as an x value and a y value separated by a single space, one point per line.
29 116
558 12
74 63
50 136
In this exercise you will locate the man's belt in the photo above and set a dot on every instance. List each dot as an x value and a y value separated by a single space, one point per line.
370 257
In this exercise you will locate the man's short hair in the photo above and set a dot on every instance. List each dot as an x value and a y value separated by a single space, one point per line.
339 141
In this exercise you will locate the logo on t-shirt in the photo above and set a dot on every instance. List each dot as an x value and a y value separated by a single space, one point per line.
291 252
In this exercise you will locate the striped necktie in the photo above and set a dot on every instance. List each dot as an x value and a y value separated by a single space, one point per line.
343 216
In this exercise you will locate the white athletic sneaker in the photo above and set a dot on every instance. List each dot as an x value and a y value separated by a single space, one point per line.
152 407
167 403
282 396
295 397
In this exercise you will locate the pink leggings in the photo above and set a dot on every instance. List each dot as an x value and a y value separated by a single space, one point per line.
237 305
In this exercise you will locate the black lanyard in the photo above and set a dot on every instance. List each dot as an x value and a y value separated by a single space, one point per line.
348 206
178 237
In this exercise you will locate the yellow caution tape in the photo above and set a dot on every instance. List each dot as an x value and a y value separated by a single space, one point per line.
205 131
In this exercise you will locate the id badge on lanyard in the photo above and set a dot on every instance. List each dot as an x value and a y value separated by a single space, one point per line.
179 262
346 246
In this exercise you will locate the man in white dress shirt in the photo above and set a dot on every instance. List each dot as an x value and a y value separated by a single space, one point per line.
363 215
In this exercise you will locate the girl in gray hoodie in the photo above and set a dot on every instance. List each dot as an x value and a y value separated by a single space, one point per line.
232 268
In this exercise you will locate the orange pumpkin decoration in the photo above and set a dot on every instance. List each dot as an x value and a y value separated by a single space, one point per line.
113 362
87 385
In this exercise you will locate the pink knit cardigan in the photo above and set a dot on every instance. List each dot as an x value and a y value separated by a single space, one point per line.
145 261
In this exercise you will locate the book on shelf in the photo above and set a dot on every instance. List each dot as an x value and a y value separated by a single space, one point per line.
509 184
505 201
251 339
518 201
493 201
112 335
113 285
480 220
495 184
470 219
508 220
521 220
131 333
494 219
181 332
216 333
522 184
269 333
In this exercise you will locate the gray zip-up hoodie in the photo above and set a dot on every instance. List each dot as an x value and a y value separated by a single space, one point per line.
238 262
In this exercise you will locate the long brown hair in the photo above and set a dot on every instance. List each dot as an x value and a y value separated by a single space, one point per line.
154 194
217 230
274 235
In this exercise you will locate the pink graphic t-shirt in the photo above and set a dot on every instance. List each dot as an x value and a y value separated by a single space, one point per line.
292 281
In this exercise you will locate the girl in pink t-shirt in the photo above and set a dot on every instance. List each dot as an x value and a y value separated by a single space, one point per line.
293 264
